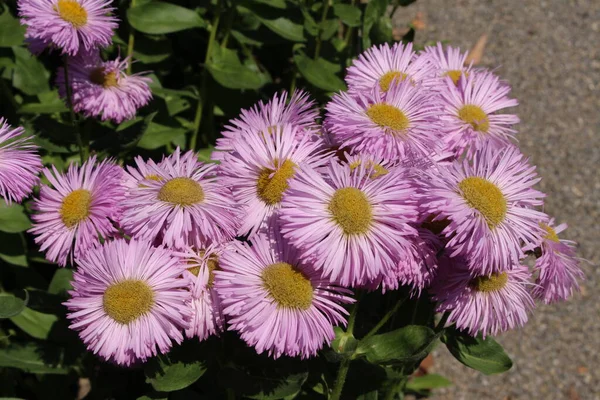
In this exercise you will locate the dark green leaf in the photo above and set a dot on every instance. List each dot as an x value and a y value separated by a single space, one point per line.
30 75
484 355
289 386
429 381
166 374
35 323
375 9
11 305
405 345
12 218
151 49
272 3
329 28
204 154
344 343
12 249
158 135
285 28
226 68
12 33
158 17
382 31
29 358
49 103
318 72
61 281
350 15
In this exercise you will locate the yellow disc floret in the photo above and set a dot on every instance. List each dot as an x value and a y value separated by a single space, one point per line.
99 76
455 75
272 183
393 76
485 197
475 116
288 286
75 207
72 12
491 283
128 300
550 233
183 191
388 117
351 210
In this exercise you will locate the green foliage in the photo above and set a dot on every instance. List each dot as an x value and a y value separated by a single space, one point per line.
484 355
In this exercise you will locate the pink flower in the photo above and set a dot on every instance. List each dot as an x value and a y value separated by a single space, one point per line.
81 207
449 62
20 163
278 304
128 301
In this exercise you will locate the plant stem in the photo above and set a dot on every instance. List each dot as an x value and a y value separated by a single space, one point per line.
326 5
338 386
386 318
74 122
442 322
397 388
131 42
200 106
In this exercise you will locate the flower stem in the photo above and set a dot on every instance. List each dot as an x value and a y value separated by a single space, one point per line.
386 317
338 386
442 322
326 6
200 106
130 43
74 122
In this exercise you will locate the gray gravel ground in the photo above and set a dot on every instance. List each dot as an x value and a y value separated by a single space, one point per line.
550 53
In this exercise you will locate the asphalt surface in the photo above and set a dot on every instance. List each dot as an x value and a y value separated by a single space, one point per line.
549 51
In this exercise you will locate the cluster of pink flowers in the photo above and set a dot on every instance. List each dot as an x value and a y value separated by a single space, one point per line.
79 29
411 180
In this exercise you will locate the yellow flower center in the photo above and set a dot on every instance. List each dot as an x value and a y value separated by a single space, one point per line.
351 210
72 12
271 184
550 233
454 74
491 283
128 300
485 197
389 117
378 170
393 76
212 264
183 191
75 207
106 80
287 286
475 116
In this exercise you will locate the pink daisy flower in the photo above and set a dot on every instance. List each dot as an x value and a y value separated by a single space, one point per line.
300 111
143 170
183 205
486 304
384 65
470 113
259 169
403 119
103 89
449 62
128 301
207 315
489 203
72 25
20 163
277 303
352 228
81 207
558 266
377 163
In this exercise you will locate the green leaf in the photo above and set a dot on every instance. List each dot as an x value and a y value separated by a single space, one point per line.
272 3
166 374
35 323
226 68
484 355
158 17
344 343
12 33
12 218
285 28
429 381
12 249
350 15
158 135
375 9
318 72
61 281
30 358
152 49
289 386
11 305
382 30
30 75
204 154
405 345
49 103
